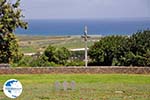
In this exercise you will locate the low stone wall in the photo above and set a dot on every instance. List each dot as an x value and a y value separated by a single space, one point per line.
77 70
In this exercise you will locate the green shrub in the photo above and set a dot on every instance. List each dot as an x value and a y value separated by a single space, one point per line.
75 63
122 51
57 55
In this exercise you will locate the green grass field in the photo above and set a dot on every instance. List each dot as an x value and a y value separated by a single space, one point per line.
88 87
30 44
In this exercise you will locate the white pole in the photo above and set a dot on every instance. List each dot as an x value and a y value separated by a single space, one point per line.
85 34
86 59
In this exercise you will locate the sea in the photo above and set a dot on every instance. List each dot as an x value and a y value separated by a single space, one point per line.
61 27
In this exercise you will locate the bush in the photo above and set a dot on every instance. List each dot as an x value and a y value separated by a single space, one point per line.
57 55
29 61
75 63
108 50
122 51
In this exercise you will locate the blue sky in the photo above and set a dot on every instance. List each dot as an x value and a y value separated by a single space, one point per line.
85 9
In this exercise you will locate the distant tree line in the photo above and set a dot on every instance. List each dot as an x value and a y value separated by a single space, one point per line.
118 50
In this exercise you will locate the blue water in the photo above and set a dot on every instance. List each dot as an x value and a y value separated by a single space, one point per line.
75 27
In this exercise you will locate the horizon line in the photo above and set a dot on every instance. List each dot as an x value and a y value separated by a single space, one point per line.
118 18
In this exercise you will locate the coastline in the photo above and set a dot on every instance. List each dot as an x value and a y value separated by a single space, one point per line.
76 27
56 36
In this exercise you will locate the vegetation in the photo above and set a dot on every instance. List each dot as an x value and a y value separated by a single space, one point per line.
34 61
113 50
88 87
108 50
10 19
57 55
122 50
75 62
30 44
138 49
52 56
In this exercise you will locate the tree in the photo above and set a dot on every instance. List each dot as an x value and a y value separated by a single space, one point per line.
108 50
62 55
140 42
139 47
57 55
50 52
10 19
122 51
